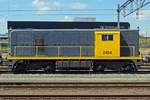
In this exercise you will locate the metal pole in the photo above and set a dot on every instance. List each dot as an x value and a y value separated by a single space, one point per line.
146 38
118 13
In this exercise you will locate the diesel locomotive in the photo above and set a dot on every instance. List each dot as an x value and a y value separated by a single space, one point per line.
97 45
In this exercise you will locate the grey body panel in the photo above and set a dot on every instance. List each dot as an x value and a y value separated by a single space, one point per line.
62 38
70 52
129 38
48 51
25 51
65 40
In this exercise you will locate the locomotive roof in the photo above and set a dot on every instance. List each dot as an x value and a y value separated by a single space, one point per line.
64 25
89 30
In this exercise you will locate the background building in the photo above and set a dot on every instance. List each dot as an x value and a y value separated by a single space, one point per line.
3 43
85 19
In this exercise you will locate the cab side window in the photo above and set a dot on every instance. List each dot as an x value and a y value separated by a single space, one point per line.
107 37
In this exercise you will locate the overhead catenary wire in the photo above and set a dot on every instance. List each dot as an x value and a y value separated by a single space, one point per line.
65 14
29 10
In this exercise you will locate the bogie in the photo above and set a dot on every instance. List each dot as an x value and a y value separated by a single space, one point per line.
22 66
121 66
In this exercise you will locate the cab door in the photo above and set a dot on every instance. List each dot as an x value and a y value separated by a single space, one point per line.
107 44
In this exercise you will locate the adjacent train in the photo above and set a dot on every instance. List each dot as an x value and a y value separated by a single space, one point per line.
97 45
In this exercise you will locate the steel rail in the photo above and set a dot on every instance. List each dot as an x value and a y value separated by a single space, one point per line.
85 90
143 70
76 97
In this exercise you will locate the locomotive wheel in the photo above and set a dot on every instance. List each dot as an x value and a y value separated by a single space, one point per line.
50 68
98 68
130 68
19 68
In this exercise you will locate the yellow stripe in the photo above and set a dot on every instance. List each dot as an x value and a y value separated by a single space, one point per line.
73 58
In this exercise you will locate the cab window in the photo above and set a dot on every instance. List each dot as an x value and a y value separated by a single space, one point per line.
107 37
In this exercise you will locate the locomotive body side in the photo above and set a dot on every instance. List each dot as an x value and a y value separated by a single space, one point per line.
102 47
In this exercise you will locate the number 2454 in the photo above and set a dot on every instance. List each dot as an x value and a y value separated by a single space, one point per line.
107 52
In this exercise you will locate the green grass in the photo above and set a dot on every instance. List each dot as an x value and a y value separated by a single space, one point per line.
144 42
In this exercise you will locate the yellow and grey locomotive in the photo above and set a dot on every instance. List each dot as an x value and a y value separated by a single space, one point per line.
39 48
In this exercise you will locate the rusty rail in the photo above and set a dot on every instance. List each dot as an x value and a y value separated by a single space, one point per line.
69 89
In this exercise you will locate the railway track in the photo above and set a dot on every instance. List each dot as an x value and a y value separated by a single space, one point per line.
38 97
142 70
74 72
74 87
76 91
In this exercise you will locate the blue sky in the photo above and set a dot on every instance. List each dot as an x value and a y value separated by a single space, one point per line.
66 10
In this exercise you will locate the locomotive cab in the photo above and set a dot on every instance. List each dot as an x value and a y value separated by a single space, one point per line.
117 48
107 44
